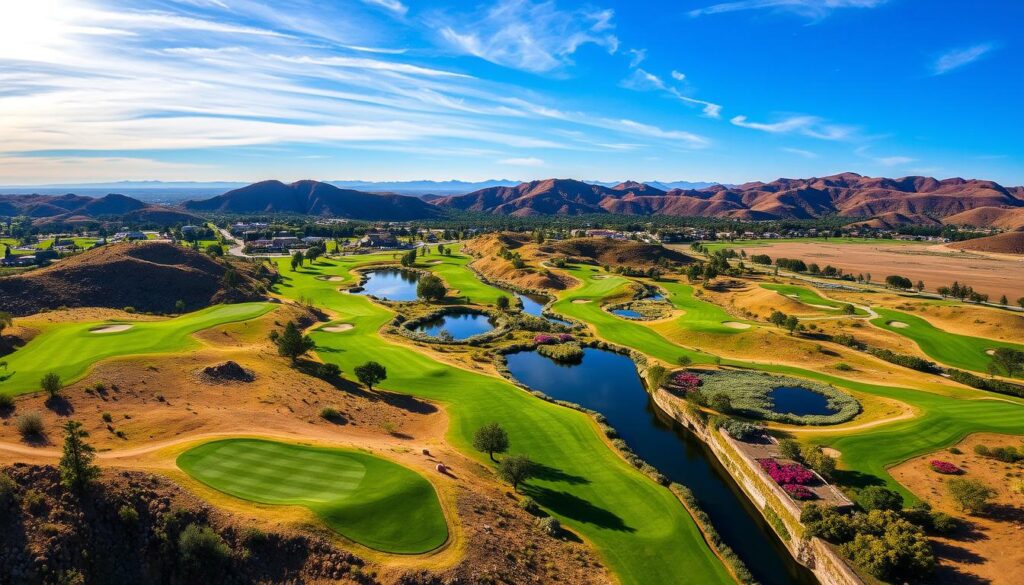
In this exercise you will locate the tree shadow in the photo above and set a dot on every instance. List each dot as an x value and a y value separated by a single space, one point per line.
548 473
406 402
576 508
36 440
856 479
60 405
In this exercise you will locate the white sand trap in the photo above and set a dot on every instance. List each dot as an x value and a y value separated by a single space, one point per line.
436 262
338 328
580 301
599 276
735 325
898 324
833 453
990 351
110 329
331 278
826 307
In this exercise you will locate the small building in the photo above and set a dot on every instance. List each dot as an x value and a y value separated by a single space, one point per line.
378 240
21 260
131 236
285 242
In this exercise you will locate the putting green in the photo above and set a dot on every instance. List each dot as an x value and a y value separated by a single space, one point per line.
372 501
959 351
809 297
70 349
640 529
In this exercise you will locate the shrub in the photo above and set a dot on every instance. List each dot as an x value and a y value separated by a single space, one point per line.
942 523
844 367
51 384
720 401
431 288
35 502
789 449
8 490
970 495
550 525
328 371
530 505
787 474
329 413
749 395
879 498
6 402
742 431
128 515
30 424
544 338
815 457
945 467
799 492
107 417
202 550
563 352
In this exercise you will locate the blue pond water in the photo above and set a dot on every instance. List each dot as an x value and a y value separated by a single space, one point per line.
608 383
799 401
391 284
460 325
534 305
627 313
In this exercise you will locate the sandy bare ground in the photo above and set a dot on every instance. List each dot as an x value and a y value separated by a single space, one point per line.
338 328
735 325
111 328
936 266
581 301
988 549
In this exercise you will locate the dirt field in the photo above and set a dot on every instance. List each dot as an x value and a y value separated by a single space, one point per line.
987 549
934 265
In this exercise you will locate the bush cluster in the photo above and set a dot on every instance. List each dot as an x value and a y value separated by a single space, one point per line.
1004 454
990 384
908 361
945 467
563 352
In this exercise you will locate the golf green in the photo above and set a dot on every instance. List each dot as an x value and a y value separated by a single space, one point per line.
640 529
372 501
809 297
959 351
70 349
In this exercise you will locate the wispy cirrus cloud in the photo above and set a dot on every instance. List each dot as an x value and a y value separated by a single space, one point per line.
534 37
811 126
957 58
390 5
800 152
642 80
885 161
530 161
812 9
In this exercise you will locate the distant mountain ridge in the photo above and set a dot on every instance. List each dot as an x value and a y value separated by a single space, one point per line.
73 209
315 198
907 199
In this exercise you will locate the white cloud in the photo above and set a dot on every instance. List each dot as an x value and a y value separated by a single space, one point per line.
885 161
957 58
678 76
640 80
391 5
690 139
522 162
813 9
29 169
800 152
812 126
637 57
532 37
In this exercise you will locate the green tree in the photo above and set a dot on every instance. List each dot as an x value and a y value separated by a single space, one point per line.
77 469
179 306
491 439
919 286
297 259
777 318
409 258
970 495
1004 301
431 288
849 309
720 402
51 384
202 551
876 497
215 250
516 469
502 303
313 253
6 320
1020 302
371 373
792 324
789 449
291 343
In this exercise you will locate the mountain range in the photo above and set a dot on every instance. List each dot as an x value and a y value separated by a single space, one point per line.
71 209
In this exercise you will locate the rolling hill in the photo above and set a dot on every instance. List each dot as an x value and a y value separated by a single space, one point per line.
913 199
315 198
1004 243
48 210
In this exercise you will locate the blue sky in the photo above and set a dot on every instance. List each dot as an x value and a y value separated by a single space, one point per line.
95 90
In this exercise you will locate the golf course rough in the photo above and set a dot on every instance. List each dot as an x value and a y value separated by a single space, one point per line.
70 349
367 499
640 529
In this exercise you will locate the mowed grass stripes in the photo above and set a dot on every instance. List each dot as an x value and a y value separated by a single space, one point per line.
372 501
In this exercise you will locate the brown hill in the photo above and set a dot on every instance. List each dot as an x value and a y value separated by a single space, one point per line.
616 252
1004 243
997 217
150 276
69 209
486 248
847 194
894 220
315 198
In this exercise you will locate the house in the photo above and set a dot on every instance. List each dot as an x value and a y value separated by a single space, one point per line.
605 234
22 260
312 240
131 236
285 242
378 240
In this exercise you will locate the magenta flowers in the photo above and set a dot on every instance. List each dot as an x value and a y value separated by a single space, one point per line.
686 381
544 338
793 473
945 467
799 492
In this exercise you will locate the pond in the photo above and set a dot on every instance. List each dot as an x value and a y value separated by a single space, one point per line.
391 284
459 325
534 305
627 313
608 383
799 401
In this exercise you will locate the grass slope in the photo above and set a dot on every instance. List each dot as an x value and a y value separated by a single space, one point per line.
640 529
372 501
809 297
941 419
69 350
960 351
452 269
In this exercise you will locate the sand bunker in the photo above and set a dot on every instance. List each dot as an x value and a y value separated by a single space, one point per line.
833 453
436 262
580 301
897 324
338 328
599 276
990 351
110 329
735 325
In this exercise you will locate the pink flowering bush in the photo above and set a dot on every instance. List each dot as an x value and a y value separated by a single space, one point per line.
563 337
945 467
799 492
686 381
793 473
544 338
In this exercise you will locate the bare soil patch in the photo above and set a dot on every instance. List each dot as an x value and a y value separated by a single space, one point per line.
995 276
987 549
111 328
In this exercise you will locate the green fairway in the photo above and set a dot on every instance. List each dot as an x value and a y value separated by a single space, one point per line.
377 503
69 350
452 269
940 420
640 529
959 351
810 297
